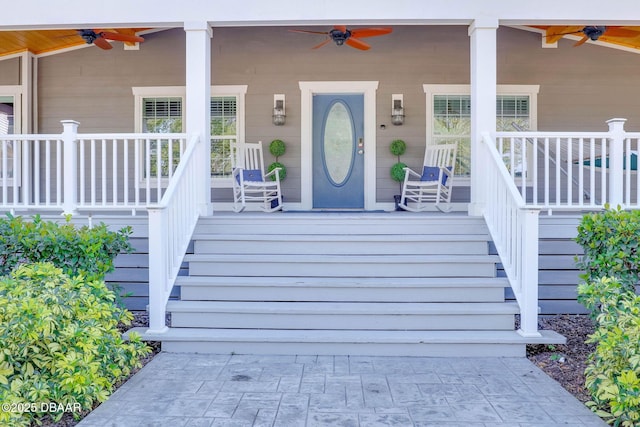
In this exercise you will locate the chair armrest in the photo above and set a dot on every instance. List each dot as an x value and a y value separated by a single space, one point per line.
275 171
409 172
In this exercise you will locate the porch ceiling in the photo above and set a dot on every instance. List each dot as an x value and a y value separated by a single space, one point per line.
44 41
41 42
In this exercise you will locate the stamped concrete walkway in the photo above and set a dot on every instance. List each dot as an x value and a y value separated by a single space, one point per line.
176 390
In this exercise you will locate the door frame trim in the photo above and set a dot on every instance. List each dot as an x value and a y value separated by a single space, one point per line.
308 89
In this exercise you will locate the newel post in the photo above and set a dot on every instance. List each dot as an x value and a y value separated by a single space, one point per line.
158 294
616 161
529 274
70 166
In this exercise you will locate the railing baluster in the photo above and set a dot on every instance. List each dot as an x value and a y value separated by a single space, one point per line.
558 162
59 182
82 172
535 155
581 193
5 172
592 169
546 171
570 171
125 185
603 169
114 172
93 172
103 172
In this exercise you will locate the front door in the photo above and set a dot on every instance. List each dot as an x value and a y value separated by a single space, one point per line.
338 151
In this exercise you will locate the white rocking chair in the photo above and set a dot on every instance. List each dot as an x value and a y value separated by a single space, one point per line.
250 183
433 186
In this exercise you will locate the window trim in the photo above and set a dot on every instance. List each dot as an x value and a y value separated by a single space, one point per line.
238 91
16 92
432 90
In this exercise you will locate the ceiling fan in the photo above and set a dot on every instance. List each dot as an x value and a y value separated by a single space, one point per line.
594 32
101 38
341 35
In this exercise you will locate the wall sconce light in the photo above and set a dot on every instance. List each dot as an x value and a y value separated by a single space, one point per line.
278 110
397 109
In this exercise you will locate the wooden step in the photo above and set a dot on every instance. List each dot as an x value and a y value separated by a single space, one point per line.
354 343
343 266
340 224
357 289
341 315
364 244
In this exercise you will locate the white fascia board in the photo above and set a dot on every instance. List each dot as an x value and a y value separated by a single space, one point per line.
118 13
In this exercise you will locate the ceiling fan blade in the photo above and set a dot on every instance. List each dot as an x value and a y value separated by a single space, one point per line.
309 32
581 41
620 32
121 37
321 44
358 44
341 28
102 43
370 32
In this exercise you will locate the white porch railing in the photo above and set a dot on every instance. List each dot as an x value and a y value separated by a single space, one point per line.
69 172
171 225
73 172
514 230
574 170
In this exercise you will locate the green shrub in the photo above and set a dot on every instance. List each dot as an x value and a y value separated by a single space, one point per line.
613 373
74 250
59 341
611 243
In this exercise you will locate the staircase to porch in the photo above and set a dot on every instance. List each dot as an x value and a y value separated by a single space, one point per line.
343 284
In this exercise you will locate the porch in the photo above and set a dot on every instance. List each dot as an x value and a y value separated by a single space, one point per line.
524 173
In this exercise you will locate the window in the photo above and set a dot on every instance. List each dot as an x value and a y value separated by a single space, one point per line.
224 133
449 115
162 115
161 110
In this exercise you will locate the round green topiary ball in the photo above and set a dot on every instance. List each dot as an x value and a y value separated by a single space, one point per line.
398 147
397 171
282 173
277 148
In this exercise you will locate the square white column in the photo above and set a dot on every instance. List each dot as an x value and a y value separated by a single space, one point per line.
483 35
198 99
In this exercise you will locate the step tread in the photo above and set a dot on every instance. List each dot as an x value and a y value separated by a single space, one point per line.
342 308
329 282
368 237
347 336
343 259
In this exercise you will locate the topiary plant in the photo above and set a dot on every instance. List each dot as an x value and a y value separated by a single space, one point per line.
277 148
398 148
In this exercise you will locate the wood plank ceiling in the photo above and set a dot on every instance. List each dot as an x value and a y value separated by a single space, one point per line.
44 41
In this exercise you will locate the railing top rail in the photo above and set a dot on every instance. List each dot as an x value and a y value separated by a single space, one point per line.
180 170
85 136
30 137
508 180
539 134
